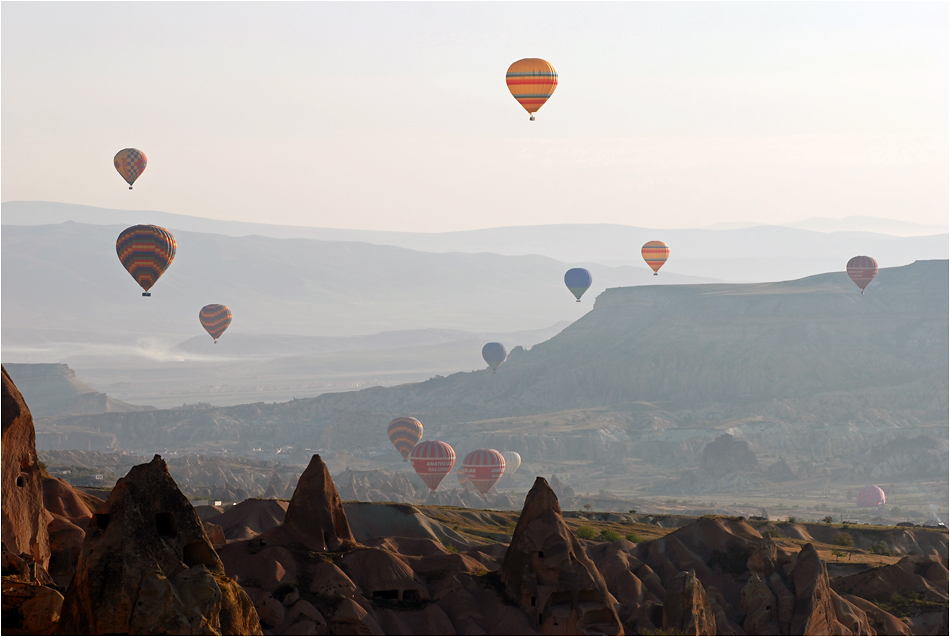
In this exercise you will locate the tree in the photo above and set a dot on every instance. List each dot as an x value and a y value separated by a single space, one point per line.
843 539
828 519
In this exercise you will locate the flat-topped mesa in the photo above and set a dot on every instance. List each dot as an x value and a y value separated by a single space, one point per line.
315 516
547 572
24 518
147 567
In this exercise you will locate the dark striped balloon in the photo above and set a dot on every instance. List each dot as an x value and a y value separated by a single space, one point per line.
130 162
405 433
484 467
870 496
432 460
215 318
494 354
146 252
862 271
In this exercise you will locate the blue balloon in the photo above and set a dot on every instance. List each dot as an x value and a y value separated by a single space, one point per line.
494 354
577 281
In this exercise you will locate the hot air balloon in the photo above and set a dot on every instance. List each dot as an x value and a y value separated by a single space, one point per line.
531 81
405 433
432 460
484 467
512 461
146 252
870 496
462 478
862 271
494 354
215 318
655 253
577 281
130 162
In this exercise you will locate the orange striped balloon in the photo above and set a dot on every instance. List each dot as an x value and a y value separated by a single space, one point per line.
405 433
531 81
655 253
215 318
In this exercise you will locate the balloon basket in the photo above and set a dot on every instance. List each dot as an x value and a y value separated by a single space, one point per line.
531 119
146 294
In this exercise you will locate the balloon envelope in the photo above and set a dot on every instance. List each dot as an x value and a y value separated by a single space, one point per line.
512 461
432 460
215 318
494 354
862 271
484 467
577 281
531 81
870 496
146 252
405 433
655 253
462 478
130 162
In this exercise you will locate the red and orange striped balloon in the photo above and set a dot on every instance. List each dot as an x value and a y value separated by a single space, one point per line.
405 433
531 81
432 460
146 252
130 162
655 253
215 318
484 467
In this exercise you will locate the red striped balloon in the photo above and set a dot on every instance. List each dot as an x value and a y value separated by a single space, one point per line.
870 496
146 252
405 434
484 467
655 253
432 460
462 478
862 271
215 318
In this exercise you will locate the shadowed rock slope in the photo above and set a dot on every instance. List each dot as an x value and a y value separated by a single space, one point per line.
676 347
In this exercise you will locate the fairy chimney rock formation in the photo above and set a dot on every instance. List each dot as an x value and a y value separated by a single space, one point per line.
686 607
24 518
547 572
146 567
315 515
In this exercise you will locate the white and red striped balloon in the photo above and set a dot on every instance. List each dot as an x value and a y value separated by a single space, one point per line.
862 271
484 467
432 460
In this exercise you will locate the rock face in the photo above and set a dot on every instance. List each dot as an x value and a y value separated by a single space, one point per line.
147 567
727 454
547 572
315 515
686 609
818 609
24 518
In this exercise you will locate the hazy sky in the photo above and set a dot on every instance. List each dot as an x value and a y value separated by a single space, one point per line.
396 116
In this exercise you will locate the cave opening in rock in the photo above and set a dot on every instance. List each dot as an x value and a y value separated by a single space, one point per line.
411 596
165 524
199 552
19 481
386 594
102 520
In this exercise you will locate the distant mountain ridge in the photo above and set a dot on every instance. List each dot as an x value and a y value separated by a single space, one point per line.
746 254
54 390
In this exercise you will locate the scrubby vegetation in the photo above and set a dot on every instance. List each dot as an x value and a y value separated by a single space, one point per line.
585 532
